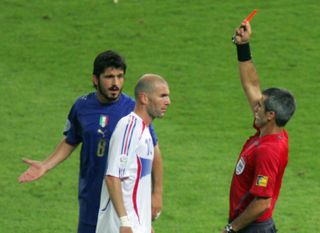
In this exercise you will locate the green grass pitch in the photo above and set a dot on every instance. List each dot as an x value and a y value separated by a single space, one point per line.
46 54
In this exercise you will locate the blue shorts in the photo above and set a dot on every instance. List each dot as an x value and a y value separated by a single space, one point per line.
86 228
261 227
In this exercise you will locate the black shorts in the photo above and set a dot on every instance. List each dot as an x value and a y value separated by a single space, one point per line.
86 228
261 227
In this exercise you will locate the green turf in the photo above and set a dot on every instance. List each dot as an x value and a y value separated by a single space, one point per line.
47 50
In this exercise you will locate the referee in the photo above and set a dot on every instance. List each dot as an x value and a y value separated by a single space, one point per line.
257 177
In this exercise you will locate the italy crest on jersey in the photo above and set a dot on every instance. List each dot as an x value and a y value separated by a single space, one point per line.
103 122
240 166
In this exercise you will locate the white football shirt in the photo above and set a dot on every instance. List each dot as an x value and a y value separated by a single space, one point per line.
130 158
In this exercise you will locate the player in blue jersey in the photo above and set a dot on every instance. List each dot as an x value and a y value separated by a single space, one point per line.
91 122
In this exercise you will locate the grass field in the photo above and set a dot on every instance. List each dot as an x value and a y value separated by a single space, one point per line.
47 50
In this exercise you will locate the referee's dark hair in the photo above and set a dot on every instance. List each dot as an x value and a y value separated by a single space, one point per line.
281 102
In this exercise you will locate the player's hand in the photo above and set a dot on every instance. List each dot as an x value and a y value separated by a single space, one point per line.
156 203
34 172
152 230
125 230
243 33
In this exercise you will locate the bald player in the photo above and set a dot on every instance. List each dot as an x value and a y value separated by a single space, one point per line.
125 204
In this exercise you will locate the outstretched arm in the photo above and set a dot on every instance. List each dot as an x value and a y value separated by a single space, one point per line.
157 183
39 168
248 74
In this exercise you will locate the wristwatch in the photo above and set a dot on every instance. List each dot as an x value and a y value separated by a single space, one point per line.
229 228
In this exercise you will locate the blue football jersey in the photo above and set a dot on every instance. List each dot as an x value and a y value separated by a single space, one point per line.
92 124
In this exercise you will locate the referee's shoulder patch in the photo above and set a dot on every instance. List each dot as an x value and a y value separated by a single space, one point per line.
262 181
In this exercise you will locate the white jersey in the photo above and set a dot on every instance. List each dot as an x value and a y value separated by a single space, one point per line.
130 158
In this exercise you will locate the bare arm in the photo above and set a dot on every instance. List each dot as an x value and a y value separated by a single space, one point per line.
114 187
248 74
255 209
39 168
157 183
250 83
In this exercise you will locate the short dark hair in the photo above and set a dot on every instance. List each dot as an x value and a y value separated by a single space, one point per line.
108 59
281 102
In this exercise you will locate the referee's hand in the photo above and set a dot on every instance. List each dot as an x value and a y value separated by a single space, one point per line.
242 33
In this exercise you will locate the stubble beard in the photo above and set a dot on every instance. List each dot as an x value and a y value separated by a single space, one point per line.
108 96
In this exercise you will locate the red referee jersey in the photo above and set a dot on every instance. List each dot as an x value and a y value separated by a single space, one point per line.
259 172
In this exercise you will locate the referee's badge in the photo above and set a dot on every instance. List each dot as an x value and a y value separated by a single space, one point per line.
240 166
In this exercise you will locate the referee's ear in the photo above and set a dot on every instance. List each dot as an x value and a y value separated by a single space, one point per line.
271 115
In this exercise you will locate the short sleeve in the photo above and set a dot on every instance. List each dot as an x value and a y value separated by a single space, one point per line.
72 128
122 147
266 171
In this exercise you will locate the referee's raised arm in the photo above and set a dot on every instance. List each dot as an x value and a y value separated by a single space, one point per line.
248 75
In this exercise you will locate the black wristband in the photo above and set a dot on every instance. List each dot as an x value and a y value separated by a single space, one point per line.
243 52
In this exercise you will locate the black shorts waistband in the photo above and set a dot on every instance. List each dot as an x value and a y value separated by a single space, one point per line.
267 226
264 223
